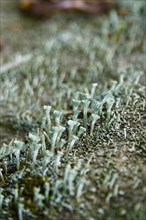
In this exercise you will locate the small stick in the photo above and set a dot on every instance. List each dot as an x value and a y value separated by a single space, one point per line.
17 62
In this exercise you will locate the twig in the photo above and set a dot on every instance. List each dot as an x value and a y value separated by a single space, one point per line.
17 62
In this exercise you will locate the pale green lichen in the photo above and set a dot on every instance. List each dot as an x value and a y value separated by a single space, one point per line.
77 165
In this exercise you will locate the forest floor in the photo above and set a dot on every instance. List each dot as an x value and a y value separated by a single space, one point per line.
94 169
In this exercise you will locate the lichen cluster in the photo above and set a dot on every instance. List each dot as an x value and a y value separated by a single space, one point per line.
73 113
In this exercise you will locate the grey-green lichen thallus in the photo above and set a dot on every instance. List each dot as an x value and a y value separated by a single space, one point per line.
73 116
